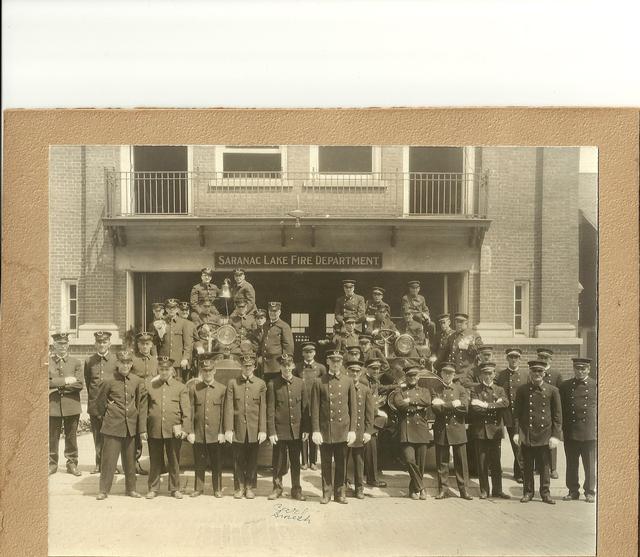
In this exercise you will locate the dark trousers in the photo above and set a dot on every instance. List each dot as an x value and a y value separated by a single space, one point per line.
245 465
70 438
488 451
517 453
207 456
414 456
112 447
309 452
280 468
459 464
472 456
330 452
96 426
542 457
574 450
158 448
138 448
355 462
371 459
554 459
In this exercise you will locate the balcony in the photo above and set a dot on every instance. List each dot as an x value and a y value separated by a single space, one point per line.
224 195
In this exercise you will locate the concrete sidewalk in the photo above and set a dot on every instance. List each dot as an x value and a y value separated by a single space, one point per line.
386 523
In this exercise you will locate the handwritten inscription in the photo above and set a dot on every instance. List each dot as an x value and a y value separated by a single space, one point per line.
291 513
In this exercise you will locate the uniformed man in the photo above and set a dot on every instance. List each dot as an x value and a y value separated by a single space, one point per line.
350 305
415 302
365 412
122 404
168 423
413 402
346 337
488 402
245 425
158 310
382 320
374 306
441 344
99 366
287 426
176 342
463 347
552 377
537 415
510 379
333 423
206 397
243 321
371 378
352 354
65 384
450 403
205 290
371 351
208 314
409 326
259 332
579 407
309 370
184 311
243 290
277 340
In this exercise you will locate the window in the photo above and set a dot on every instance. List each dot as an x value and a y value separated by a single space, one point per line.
252 162
69 303
521 308
345 160
299 322
330 321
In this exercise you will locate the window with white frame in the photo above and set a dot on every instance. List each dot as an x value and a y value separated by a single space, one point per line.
264 162
521 308
299 322
330 321
344 159
69 305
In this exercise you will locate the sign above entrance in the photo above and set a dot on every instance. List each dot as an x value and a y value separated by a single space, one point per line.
305 260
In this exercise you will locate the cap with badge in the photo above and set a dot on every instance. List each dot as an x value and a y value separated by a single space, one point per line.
350 319
447 366
411 369
261 313
413 283
334 354
356 365
165 361
285 358
157 305
461 316
513 352
207 271
485 349
373 362
348 282
60 337
443 316
124 356
238 272
185 306
364 337
207 359
537 365
487 367
241 303
143 336
247 359
275 306
377 290
308 346
102 335
171 303
545 352
581 362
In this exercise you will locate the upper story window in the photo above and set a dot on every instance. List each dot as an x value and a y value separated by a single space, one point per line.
345 160
252 162
69 306
521 308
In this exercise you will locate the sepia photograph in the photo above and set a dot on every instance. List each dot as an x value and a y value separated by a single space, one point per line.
323 350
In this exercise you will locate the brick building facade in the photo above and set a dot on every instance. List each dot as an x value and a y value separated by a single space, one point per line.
493 231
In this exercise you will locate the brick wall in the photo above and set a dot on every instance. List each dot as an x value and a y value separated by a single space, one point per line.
561 357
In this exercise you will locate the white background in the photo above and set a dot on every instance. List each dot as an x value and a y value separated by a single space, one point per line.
196 53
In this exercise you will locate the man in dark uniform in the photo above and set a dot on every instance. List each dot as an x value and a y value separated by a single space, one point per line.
243 321
259 332
537 414
243 290
245 425
579 407
412 402
277 340
208 314
99 366
374 306
371 351
463 348
206 397
168 423
347 336
158 310
333 423
371 379
415 302
441 343
409 326
510 379
350 305
176 341
552 377
309 370
122 404
287 427
352 354
450 403
65 384
184 312
204 290
488 402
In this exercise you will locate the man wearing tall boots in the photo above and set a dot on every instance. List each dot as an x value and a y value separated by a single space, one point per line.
122 404
370 377
286 426
65 384
450 403
168 423
333 423
510 379
537 413
552 377
579 407
245 425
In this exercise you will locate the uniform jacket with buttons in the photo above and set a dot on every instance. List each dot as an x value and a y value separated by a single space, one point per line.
487 423
449 426
333 403
245 408
412 421
373 307
122 403
145 367
243 324
64 400
413 328
309 372
442 345
168 406
353 306
277 340
96 370
414 303
207 405
379 421
244 292
510 380
177 341
553 377
463 349
375 352
201 293
579 409
286 404
365 413
537 414
343 340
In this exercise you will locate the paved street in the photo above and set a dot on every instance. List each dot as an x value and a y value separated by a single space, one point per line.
386 523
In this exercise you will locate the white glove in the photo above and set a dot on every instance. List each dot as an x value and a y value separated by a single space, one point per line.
456 403
351 438
70 380
221 438
144 436
184 364
228 436
262 437
553 442
382 413
316 437
516 438
437 402
406 400
366 437
200 349
476 402
191 438
183 435
273 439
305 436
